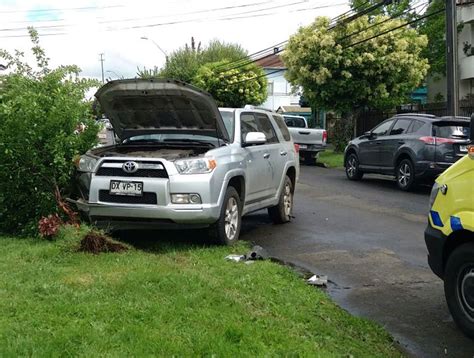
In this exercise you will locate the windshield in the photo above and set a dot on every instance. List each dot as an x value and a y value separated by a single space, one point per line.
228 118
450 131
295 122
175 138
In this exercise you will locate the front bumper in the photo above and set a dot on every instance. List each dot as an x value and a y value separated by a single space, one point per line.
435 241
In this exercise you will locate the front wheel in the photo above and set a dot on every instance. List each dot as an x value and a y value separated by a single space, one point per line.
405 174
459 287
352 168
282 212
226 230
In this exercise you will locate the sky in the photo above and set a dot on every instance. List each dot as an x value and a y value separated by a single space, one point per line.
76 32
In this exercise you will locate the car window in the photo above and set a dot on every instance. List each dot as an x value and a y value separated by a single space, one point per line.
248 123
228 118
416 126
401 126
383 128
295 122
447 130
283 128
265 125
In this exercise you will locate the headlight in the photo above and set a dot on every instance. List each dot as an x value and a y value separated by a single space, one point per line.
86 164
434 194
195 166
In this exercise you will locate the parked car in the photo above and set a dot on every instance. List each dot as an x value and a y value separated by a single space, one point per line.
449 237
182 162
311 141
411 147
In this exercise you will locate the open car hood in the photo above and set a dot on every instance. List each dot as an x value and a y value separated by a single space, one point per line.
147 106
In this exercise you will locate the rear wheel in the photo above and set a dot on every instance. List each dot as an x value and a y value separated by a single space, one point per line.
309 158
405 174
459 287
282 212
352 168
226 230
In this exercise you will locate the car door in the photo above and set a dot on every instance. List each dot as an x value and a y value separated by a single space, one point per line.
392 142
276 150
369 151
259 176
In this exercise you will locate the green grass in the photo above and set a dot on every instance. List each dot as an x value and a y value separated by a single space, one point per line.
331 159
167 299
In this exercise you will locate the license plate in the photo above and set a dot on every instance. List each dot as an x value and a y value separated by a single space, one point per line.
132 188
303 146
463 148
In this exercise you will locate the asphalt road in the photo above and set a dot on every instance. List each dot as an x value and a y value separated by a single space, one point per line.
368 238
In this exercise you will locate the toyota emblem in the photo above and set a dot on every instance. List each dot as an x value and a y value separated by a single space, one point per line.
130 167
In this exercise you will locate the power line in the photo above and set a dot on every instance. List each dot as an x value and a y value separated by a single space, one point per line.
61 9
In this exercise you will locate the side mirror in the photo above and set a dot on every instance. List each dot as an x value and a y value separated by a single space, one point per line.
254 138
369 135
471 129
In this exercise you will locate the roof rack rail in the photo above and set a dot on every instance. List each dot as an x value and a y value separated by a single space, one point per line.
416 114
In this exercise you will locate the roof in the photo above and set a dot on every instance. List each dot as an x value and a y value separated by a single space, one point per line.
270 61
293 109
433 117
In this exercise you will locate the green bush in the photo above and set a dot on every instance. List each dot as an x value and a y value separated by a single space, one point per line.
40 111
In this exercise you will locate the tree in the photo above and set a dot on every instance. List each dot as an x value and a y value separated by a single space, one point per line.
396 8
184 63
435 29
232 87
41 110
340 70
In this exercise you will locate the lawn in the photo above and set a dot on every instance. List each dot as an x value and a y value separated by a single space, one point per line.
167 299
331 159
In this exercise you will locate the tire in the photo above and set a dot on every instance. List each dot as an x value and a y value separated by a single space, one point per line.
459 287
352 168
309 158
405 175
282 212
226 230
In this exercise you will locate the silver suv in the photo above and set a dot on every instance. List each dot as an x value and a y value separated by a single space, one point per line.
181 161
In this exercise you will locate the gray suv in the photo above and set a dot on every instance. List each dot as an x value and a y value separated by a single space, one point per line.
412 147
181 161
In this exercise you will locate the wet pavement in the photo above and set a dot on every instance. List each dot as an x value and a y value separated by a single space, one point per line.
368 238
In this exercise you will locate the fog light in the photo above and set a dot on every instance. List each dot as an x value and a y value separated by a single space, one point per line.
185 199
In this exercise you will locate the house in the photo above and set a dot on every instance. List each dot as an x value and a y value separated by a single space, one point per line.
437 86
279 89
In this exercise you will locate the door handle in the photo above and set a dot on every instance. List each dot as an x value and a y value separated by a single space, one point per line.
378 143
401 142
283 153
266 155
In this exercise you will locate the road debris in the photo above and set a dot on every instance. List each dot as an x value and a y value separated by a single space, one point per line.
257 253
236 258
318 280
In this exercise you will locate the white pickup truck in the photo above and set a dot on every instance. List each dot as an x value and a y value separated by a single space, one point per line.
310 140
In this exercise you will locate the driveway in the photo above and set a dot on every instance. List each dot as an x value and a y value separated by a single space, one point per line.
368 238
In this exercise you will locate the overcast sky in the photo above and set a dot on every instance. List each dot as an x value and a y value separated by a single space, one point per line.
75 32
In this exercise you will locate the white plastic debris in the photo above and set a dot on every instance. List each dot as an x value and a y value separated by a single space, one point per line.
236 258
318 280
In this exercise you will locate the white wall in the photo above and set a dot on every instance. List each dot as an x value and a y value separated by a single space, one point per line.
281 95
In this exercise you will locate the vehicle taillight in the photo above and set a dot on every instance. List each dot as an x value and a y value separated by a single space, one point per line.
436 140
297 148
325 136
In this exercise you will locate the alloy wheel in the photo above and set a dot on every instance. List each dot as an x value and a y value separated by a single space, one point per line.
404 174
466 291
231 218
288 200
351 166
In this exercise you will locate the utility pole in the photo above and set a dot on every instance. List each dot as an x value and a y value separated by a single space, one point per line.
452 58
102 65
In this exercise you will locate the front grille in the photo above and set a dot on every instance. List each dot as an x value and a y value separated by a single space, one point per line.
142 173
146 198
113 168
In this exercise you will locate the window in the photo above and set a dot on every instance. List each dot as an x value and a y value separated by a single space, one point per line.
401 126
383 128
228 118
416 126
295 122
247 124
270 89
266 127
451 130
283 128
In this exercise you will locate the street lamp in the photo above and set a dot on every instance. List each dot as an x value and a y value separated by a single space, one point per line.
157 46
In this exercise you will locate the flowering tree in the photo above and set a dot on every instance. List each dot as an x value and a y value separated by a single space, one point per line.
233 87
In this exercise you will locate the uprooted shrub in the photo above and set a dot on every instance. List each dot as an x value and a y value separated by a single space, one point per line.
95 242
40 109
